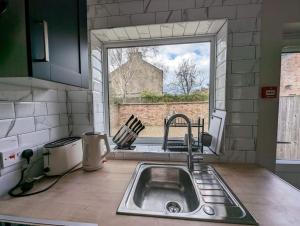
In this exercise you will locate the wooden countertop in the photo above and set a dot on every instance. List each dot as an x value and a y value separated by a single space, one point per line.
94 197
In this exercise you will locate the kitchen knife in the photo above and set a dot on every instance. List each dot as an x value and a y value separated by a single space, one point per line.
126 131
134 121
136 125
143 127
122 128
137 128
131 134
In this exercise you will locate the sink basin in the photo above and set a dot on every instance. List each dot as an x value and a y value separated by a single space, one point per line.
165 188
170 190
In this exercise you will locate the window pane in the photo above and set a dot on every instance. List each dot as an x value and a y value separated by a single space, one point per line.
155 82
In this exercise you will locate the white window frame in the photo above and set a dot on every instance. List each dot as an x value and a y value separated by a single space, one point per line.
157 42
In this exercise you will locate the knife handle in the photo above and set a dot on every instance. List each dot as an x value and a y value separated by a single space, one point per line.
131 117
136 125
143 127
134 121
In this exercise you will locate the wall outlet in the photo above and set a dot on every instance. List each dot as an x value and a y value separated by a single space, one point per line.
10 157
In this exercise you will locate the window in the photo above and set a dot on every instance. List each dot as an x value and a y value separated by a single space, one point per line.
156 80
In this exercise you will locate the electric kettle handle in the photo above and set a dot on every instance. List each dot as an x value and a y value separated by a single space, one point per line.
104 137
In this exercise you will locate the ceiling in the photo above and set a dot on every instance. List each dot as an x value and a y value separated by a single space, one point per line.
153 31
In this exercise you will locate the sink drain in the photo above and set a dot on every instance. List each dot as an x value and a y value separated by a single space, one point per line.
173 207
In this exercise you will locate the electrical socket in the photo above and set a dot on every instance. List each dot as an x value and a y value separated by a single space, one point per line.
10 157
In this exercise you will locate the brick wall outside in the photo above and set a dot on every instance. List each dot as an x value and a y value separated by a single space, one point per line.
154 114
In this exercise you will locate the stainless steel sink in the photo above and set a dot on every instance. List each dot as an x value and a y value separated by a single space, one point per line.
165 189
169 190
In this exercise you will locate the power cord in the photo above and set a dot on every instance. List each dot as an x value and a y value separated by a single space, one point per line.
25 186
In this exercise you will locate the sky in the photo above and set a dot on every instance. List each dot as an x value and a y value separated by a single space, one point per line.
172 55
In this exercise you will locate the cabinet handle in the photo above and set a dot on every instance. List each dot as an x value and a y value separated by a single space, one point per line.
46 40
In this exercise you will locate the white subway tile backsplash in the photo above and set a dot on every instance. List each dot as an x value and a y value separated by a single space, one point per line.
243 25
195 14
98 118
40 108
241 131
236 2
208 3
34 139
244 66
58 132
80 108
244 11
8 143
48 121
220 94
143 18
45 95
7 110
178 4
244 118
97 75
10 127
56 108
242 144
221 12
98 107
221 70
81 119
244 93
156 5
247 79
63 119
97 86
78 130
61 96
242 106
24 109
242 39
243 53
131 7
78 96
168 16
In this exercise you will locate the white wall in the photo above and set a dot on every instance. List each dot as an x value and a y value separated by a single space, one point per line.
29 118
242 60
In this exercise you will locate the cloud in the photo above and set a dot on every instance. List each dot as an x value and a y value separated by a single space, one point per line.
171 56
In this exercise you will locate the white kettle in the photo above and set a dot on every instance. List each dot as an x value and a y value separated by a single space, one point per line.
93 150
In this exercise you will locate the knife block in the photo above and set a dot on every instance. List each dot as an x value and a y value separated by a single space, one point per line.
127 134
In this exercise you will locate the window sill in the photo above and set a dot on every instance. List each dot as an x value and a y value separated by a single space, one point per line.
152 152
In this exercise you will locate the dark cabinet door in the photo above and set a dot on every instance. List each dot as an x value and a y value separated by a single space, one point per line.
38 19
58 41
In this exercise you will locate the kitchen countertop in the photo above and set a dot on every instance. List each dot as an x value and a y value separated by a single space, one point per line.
95 196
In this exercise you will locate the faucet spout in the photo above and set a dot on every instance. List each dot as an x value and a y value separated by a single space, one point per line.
189 140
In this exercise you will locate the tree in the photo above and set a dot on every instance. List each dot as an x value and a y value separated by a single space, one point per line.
188 76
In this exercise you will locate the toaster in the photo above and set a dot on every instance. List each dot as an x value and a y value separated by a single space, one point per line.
62 155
